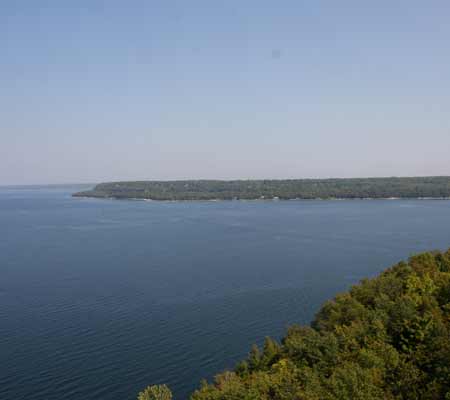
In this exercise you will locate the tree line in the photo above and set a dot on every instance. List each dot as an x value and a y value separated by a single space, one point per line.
415 187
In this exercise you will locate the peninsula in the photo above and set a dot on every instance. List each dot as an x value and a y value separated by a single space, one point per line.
437 187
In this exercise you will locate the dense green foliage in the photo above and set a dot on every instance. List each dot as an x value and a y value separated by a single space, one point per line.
436 187
386 338
156 392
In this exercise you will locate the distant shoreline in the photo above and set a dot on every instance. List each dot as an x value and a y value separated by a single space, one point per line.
264 200
390 188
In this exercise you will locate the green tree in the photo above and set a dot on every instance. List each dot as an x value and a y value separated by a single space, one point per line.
387 338
156 392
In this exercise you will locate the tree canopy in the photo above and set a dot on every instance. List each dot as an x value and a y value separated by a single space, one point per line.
156 392
386 338
434 187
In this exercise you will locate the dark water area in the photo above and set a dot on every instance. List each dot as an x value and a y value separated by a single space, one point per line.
100 298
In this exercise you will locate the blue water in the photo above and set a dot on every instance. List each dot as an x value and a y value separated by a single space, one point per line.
100 298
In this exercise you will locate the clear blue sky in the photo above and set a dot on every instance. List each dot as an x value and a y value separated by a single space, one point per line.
114 90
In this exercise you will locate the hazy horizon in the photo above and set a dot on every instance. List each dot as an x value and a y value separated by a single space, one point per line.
95 92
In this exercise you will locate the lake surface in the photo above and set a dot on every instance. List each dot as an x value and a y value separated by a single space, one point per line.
100 298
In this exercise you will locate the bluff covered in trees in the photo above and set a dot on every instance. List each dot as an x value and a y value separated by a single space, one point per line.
386 338
435 187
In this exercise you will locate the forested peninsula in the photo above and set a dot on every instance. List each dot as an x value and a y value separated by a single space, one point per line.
386 338
287 189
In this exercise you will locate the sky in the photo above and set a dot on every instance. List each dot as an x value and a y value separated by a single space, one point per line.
97 91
